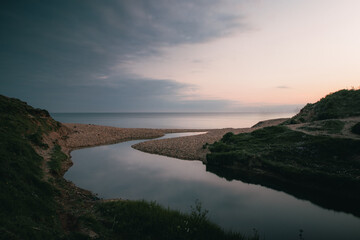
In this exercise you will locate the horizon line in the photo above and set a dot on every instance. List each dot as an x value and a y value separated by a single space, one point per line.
158 112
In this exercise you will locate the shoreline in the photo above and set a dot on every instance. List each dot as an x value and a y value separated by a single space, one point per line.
74 201
76 136
73 136
191 147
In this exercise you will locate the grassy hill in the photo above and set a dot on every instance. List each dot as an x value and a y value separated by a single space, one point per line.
27 205
319 156
341 104
292 154
36 206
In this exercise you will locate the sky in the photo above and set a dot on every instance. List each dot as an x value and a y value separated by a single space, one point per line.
177 56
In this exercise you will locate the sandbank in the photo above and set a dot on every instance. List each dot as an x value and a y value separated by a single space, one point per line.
76 136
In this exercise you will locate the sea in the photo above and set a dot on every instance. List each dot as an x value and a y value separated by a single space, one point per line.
170 120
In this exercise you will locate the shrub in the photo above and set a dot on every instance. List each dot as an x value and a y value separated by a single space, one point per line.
341 104
57 157
148 220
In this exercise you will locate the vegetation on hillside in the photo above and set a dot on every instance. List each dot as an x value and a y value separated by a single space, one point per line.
34 208
341 104
319 168
27 206
312 157
57 158
290 153
325 127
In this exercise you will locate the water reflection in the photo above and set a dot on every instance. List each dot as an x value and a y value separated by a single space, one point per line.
118 171
326 198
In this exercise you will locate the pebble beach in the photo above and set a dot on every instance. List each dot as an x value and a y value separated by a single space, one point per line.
187 148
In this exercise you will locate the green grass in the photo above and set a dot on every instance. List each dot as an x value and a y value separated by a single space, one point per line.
23 119
290 153
143 220
27 206
328 126
37 139
27 209
341 104
125 219
57 158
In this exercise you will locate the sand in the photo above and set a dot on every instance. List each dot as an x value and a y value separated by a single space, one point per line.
72 136
191 147
89 135
75 136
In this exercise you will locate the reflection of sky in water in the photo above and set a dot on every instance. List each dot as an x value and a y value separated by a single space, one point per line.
118 171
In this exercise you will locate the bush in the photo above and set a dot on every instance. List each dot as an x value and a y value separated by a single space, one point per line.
148 220
37 139
341 104
328 126
281 145
57 157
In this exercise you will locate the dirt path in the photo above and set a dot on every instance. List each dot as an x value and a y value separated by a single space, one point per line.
344 133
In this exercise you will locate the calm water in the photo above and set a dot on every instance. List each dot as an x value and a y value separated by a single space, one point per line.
118 171
169 120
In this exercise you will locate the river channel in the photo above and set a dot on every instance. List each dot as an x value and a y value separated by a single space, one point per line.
119 171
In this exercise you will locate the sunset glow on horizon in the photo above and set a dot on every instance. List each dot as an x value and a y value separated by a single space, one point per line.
179 56
291 53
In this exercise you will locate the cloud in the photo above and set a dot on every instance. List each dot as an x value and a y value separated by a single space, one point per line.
83 35
103 77
60 52
126 95
283 87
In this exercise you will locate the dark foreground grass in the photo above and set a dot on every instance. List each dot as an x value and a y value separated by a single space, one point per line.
27 206
142 220
27 209
135 220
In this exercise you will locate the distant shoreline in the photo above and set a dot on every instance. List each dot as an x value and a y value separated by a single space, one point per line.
170 120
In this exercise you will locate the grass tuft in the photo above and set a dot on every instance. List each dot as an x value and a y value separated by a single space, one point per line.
148 220
57 158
